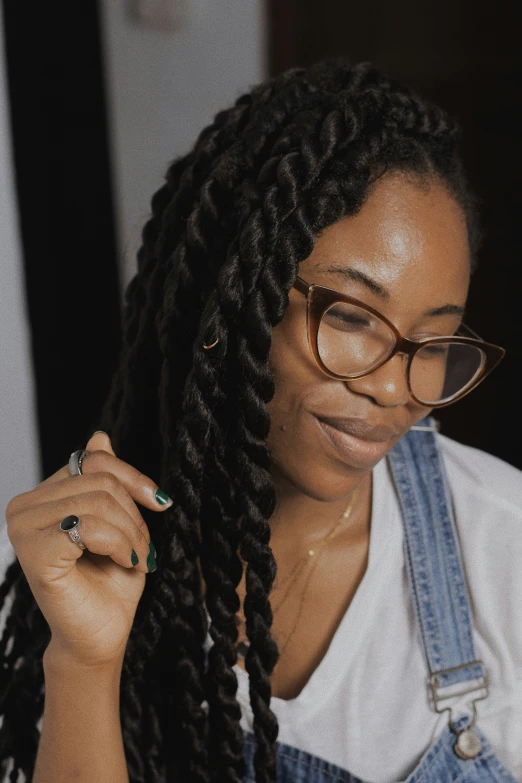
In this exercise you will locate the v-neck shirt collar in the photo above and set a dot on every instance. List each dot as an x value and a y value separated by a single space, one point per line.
350 631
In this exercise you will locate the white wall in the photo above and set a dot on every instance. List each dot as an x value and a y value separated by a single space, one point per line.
165 86
19 447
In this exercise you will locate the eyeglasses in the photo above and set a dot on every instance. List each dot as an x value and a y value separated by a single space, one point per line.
349 339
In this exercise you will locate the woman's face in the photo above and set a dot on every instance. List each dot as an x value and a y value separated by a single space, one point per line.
407 255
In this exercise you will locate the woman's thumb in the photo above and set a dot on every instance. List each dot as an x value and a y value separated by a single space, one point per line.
98 441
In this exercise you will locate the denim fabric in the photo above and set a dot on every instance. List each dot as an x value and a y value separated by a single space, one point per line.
439 764
443 615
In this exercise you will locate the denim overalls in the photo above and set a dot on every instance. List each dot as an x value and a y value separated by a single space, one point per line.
462 753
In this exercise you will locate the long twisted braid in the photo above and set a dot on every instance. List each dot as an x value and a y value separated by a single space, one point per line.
219 255
228 124
192 468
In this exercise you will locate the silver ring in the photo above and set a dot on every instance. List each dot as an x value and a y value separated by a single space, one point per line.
75 462
70 524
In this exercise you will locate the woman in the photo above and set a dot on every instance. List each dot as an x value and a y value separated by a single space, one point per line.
316 613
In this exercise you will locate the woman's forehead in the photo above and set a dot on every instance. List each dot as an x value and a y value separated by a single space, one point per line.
404 236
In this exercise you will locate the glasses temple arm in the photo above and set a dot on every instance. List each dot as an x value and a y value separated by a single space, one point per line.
471 331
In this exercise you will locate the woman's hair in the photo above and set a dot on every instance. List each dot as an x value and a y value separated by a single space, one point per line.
219 255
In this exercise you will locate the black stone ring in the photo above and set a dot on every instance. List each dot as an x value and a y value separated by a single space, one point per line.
70 525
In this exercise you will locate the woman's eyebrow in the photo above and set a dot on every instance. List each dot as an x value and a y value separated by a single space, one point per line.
349 273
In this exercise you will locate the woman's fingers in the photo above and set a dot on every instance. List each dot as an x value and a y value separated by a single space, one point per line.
89 601
89 482
99 537
141 488
108 472
98 503
98 440
108 488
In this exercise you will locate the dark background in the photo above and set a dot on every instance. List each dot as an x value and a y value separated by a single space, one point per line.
466 56
61 154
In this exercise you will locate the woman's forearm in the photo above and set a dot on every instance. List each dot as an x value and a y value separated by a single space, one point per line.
81 740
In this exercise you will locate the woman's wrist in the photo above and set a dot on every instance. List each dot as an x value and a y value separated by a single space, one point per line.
81 732
57 659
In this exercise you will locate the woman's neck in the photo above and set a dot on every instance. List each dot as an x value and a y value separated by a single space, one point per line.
300 520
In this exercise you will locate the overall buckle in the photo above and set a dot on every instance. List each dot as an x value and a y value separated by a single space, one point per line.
468 743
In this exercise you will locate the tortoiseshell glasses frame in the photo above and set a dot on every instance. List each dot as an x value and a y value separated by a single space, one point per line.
319 298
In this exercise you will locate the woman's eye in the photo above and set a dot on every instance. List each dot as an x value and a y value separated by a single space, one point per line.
434 350
348 318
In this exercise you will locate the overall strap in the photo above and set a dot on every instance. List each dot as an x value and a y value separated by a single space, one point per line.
434 567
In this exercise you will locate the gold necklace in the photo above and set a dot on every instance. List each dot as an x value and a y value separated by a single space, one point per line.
243 645
302 562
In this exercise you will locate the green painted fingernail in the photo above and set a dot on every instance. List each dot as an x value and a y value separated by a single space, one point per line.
134 557
162 498
152 548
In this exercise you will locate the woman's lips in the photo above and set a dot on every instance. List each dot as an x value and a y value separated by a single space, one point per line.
360 444
360 428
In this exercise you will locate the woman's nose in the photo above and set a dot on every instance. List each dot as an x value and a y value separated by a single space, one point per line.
387 385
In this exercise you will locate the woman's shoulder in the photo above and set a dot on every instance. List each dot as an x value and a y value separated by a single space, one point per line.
490 480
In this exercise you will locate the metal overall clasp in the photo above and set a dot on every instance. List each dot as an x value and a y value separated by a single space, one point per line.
468 743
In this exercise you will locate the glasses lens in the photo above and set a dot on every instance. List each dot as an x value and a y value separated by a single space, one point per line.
351 340
440 371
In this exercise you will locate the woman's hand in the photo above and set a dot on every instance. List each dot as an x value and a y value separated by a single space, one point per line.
88 596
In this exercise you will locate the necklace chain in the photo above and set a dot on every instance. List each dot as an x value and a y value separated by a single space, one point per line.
302 562
299 567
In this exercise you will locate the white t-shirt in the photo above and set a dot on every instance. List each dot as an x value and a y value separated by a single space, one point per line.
366 707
